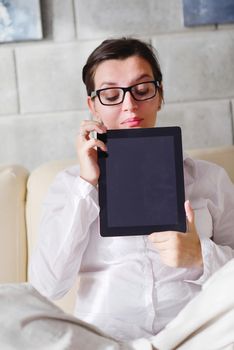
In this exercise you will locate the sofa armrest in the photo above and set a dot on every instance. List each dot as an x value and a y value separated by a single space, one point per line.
38 184
223 156
13 247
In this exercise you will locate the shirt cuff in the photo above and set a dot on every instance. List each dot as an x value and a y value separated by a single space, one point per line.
84 188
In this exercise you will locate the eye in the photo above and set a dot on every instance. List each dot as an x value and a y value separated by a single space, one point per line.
110 95
141 89
144 91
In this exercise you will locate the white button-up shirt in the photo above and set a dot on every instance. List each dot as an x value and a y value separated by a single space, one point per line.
124 288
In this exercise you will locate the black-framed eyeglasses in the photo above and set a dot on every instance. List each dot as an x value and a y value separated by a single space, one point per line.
115 95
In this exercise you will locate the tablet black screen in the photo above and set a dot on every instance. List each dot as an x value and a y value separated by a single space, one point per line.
141 186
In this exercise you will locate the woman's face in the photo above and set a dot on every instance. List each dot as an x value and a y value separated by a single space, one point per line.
130 113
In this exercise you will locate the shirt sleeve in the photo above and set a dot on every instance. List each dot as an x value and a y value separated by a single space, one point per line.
219 249
70 208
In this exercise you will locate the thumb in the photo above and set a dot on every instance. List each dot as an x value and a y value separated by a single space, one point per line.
189 214
189 211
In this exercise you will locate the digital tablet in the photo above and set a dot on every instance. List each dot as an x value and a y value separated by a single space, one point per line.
141 183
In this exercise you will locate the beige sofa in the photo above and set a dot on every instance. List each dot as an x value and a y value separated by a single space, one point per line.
21 195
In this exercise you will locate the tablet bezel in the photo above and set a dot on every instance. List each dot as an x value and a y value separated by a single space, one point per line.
180 226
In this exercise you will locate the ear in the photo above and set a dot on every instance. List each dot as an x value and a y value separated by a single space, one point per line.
160 101
160 97
92 109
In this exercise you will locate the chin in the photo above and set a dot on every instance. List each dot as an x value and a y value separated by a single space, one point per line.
148 126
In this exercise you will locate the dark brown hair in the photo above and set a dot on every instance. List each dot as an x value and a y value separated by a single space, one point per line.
120 49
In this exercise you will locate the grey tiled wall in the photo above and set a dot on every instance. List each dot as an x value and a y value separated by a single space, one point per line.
197 67
204 123
97 19
8 90
32 139
43 100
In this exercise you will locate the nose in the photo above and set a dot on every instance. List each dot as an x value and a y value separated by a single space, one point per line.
129 104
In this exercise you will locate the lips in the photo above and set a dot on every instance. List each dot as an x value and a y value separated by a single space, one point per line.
135 121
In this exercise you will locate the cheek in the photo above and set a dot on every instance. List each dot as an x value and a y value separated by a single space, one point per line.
150 117
149 111
110 117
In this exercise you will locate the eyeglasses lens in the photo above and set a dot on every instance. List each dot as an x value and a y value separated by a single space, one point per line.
140 92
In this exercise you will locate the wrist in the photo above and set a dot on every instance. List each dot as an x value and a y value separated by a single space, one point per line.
93 182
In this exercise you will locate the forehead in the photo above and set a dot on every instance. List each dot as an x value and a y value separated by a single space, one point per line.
122 71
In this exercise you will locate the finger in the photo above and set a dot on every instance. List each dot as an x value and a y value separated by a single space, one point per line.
159 237
88 126
189 211
163 246
84 132
90 121
190 216
92 143
99 124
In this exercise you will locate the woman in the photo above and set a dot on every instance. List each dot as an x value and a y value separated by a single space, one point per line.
130 287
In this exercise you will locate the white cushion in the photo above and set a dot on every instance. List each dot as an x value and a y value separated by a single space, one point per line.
28 320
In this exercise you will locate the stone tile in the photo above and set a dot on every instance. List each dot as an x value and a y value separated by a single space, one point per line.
204 124
8 95
232 113
50 76
58 20
197 66
101 19
226 26
63 20
34 139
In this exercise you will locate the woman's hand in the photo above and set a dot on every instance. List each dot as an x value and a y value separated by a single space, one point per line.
87 150
179 249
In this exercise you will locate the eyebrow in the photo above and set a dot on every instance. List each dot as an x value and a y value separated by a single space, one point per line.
142 76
